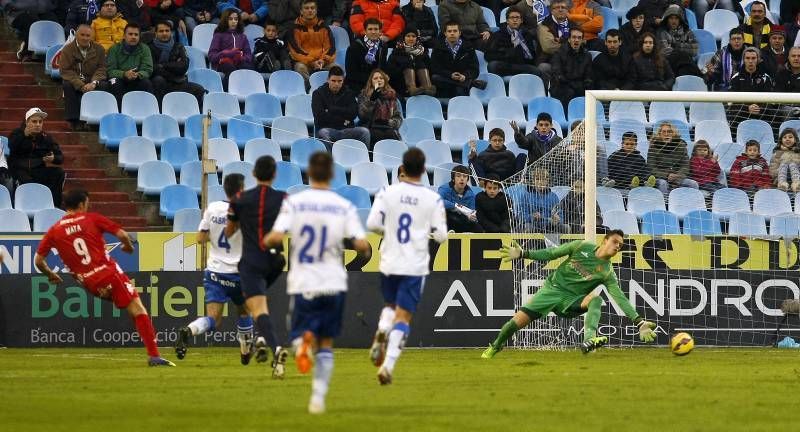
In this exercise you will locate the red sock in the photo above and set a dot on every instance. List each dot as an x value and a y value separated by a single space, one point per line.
147 333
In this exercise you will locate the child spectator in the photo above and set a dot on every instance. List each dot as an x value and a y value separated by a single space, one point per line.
459 202
539 209
423 19
230 49
540 141
750 171
785 163
704 167
271 54
496 159
492 207
627 167
572 208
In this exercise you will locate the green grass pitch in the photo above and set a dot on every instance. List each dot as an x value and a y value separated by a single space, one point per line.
640 390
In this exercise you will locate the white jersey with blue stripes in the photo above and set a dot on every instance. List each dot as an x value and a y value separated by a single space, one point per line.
225 252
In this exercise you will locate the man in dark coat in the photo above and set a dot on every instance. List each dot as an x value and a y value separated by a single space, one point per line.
454 64
612 67
572 64
512 49
35 157
170 64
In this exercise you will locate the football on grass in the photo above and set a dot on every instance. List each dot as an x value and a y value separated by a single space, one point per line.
682 344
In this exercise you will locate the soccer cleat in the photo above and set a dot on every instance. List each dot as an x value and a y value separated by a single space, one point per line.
384 376
159 361
593 343
316 407
279 363
303 356
490 352
184 333
262 353
378 350
246 356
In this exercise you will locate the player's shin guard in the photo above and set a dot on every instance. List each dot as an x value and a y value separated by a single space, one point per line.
202 325
323 369
397 339
592 319
265 328
148 334
244 333
506 332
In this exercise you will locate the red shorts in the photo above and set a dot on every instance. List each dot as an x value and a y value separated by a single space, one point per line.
112 284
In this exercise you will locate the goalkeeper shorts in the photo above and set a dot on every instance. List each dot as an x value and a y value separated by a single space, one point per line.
549 299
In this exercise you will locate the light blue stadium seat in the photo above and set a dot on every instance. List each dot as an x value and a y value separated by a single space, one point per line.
5 198
253 31
425 107
623 220
465 107
96 104
577 110
495 86
302 149
159 127
713 131
114 128
243 168
341 39
222 106
789 124
747 224
414 130
202 35
719 22
349 152
177 151
287 175
455 132
621 8
244 82
442 173
727 154
216 193
645 199
488 16
192 174
483 65
689 83
45 218
436 153
186 220
609 147
622 110
4 145
14 221
508 108
32 197
193 129
300 106
363 214
683 129
317 79
263 106
369 175
339 176
524 87
209 79
44 34
683 200
752 129
257 147
667 111
389 153
297 189
135 150
505 126
154 176
785 224
139 105
286 130
706 40
660 222
341 55
701 223
355 194
771 202
618 127
691 19
480 145
549 105
609 199
285 83
177 197
610 19
424 180
223 150
703 59
243 128
727 201
180 106
197 59
54 73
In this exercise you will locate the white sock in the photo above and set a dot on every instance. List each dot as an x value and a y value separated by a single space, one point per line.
397 338
386 320
201 325
323 369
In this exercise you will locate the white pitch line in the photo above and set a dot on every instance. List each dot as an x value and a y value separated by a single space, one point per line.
86 357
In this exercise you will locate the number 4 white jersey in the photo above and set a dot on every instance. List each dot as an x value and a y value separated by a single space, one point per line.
225 252
318 221
407 213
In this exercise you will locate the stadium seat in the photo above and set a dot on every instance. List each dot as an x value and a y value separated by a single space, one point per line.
504 107
349 152
299 188
713 131
727 154
285 83
483 65
96 104
223 106
216 193
621 7
177 151
455 132
180 106
703 59
425 107
747 224
480 145
465 107
263 106
223 150
139 105
577 110
114 128
618 127
44 34
192 174
341 39
414 130
45 218
549 105
197 60
339 176
32 197
785 224
424 180
644 199
505 125
683 129
253 32
176 197
363 214
14 221
495 86
355 194
54 73
689 83
771 202
243 128
369 175
790 124
244 82
341 55
699 111
609 199
610 19
620 110
727 201
706 40
201 37
287 175
317 79
4 145
209 79
300 106
303 148
560 191
719 22
701 223
683 200
436 153
286 130
257 147
5 198
691 19
667 111
660 222
389 153
623 220
154 176
243 168
159 127
758 130
488 16
135 150
442 173
524 87
193 129
187 220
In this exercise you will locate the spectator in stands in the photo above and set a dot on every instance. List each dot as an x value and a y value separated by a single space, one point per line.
379 109
751 78
5 175
572 207
365 54
565 161
534 12
197 12
386 11
612 67
80 12
700 7
633 30
774 56
130 64
788 80
785 164
335 110
587 15
756 27
410 62
270 53
540 141
668 159
83 69
132 11
421 17
311 42
109 25
230 49
284 13
651 71
572 69
35 157
750 171
496 159
492 208
792 27
21 14
459 202
454 64
726 62
553 32
654 9
169 10
170 64
249 11
789 11
469 17
677 42
627 168
538 209
704 167
512 49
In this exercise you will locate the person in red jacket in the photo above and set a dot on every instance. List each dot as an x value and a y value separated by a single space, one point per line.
704 167
387 11
750 171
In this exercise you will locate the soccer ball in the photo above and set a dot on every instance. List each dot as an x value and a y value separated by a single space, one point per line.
682 344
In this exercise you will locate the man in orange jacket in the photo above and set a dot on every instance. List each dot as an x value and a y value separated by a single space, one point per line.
587 14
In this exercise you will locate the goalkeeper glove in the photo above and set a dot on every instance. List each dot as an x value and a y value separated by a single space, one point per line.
647 332
510 253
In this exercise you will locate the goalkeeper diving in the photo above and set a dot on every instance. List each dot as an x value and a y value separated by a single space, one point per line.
569 291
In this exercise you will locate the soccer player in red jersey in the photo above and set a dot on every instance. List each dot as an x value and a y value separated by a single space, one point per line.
78 238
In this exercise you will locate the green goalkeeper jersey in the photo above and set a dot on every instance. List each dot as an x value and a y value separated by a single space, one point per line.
582 272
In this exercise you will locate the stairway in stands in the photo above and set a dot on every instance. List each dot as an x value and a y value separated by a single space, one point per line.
87 162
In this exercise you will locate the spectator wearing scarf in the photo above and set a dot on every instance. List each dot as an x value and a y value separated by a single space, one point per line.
410 61
365 55
378 108
170 65
726 62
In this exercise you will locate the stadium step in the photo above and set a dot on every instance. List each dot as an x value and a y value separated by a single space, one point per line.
12 113
11 67
50 125
21 78
26 91
45 104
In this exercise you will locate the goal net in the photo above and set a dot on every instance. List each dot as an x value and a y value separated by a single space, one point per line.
706 196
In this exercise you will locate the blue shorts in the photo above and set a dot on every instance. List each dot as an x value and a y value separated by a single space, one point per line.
403 291
256 280
321 315
221 287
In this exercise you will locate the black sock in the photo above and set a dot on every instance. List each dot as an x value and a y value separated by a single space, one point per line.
265 327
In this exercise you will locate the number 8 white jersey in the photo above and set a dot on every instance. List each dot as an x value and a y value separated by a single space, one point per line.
225 252
406 213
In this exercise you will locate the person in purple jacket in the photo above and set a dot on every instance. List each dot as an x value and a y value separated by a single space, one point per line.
230 50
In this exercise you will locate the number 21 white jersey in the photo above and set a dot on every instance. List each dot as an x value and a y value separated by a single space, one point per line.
225 252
